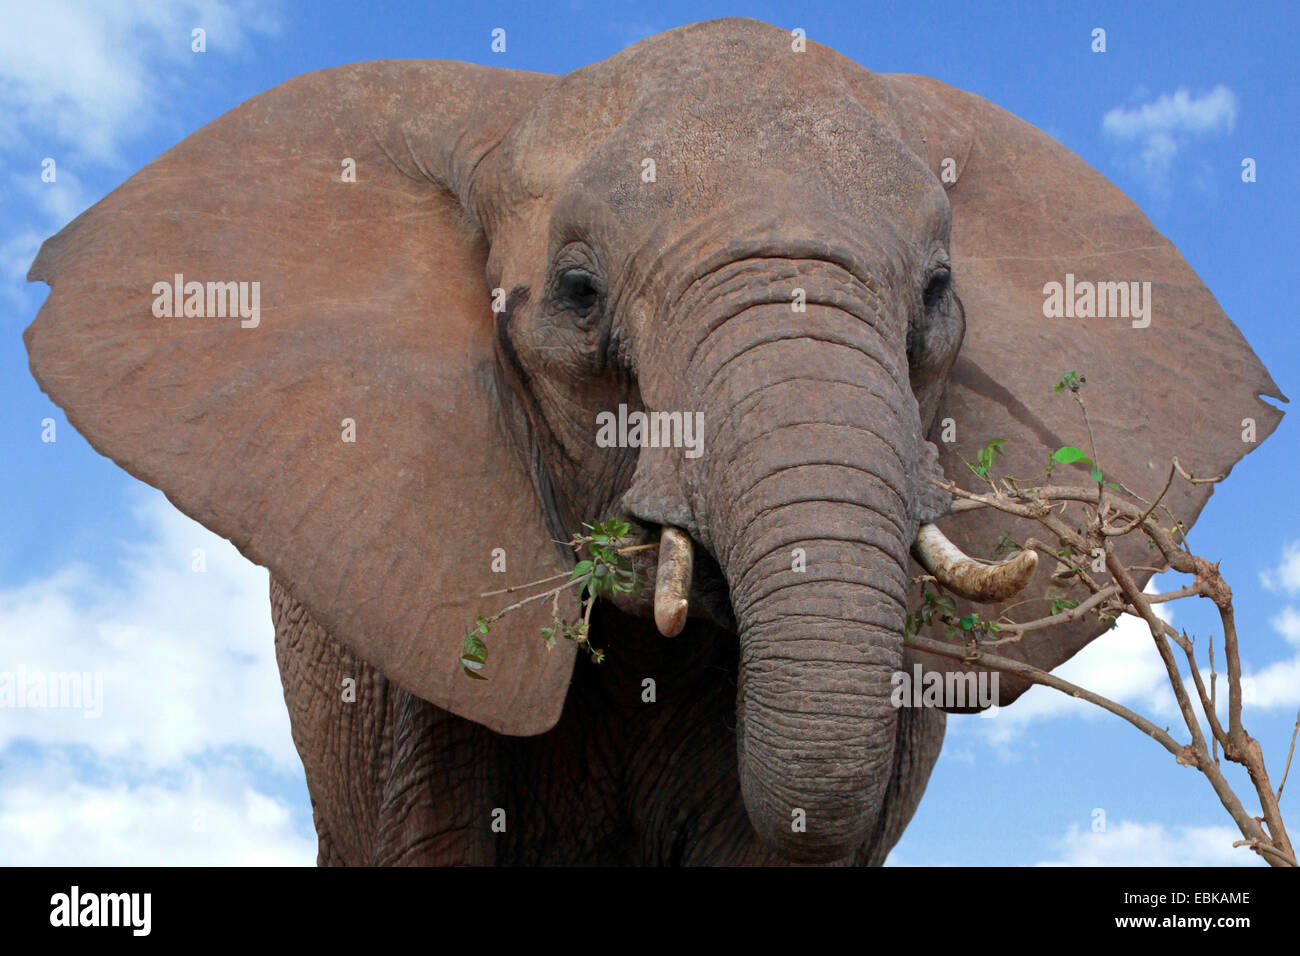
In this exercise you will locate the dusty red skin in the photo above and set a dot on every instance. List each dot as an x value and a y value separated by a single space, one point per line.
376 300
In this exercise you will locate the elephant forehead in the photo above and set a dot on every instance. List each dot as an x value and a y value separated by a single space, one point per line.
717 109
799 158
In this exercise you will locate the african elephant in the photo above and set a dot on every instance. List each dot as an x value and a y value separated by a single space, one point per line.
467 266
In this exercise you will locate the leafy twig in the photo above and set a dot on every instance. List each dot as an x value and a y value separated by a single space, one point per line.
604 572
1266 835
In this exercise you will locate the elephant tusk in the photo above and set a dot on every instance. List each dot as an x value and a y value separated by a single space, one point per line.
673 580
966 577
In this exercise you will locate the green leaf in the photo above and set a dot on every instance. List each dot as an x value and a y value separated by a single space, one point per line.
1071 380
583 568
1096 473
473 655
941 602
990 452
1006 545
1069 455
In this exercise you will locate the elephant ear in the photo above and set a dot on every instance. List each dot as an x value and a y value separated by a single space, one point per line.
345 433
1028 212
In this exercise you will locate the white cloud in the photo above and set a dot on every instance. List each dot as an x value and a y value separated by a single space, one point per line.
17 252
1179 113
79 79
1287 623
1286 576
1277 685
192 715
1274 686
51 817
188 659
59 201
1161 127
1122 665
82 76
1152 844
53 203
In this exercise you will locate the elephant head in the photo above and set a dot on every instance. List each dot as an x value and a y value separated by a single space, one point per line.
466 266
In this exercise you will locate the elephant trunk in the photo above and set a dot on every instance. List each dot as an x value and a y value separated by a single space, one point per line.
815 727
811 507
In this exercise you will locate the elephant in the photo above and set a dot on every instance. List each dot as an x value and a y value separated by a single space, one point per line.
449 272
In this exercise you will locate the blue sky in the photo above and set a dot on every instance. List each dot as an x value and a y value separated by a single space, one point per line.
191 760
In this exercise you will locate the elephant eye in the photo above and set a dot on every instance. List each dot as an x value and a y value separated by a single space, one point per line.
935 290
576 291
938 328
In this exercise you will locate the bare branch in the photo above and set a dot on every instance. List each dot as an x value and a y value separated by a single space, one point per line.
1289 755
1105 518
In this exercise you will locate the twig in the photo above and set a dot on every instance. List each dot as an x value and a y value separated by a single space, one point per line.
1140 520
529 600
1184 754
1047 505
1214 700
530 584
1033 674
1289 755
1070 614
1197 481
1190 591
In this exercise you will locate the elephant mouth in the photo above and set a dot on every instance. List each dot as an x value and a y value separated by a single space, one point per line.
681 579
684 580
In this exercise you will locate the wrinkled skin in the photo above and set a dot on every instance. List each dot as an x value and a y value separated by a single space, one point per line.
397 781
780 177
813 415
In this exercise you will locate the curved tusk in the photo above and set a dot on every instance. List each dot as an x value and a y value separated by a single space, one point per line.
673 580
968 578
